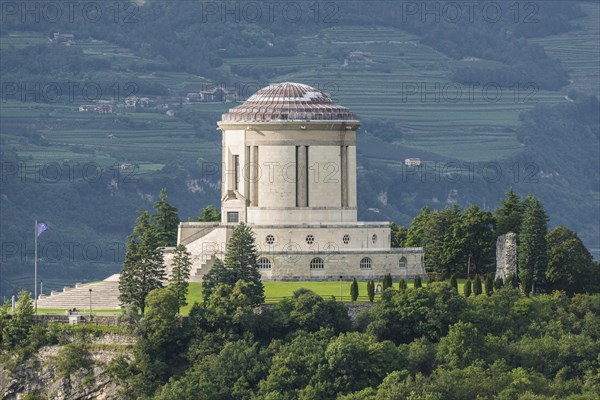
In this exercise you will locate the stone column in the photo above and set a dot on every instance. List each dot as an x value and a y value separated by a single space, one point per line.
301 176
344 174
253 176
506 255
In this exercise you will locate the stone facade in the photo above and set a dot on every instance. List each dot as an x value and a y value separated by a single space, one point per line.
289 172
506 255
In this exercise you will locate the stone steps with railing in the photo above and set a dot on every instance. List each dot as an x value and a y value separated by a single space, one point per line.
104 296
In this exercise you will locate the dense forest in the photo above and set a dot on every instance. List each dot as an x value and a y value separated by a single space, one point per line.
416 343
427 343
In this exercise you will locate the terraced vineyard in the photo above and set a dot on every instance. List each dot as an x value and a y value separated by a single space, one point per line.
578 50
396 78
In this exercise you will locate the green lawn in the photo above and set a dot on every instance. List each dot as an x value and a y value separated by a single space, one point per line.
277 291
274 292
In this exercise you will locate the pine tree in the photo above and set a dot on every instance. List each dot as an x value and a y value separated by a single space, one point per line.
467 287
354 289
209 214
217 274
509 215
454 282
399 235
20 325
472 240
371 290
241 260
402 285
489 285
417 282
532 247
387 281
143 269
180 274
477 289
166 221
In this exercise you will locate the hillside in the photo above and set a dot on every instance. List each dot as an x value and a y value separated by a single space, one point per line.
86 173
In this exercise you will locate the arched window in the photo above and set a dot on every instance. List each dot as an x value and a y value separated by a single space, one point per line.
317 263
346 239
402 263
365 263
264 263
270 239
310 239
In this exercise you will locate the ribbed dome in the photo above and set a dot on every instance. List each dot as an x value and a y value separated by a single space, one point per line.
288 102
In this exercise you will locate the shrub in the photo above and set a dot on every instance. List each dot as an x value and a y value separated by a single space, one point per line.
498 283
402 285
71 358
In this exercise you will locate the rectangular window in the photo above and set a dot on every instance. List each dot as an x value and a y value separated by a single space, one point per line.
233 217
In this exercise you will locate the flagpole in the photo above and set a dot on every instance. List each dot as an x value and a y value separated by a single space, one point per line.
35 267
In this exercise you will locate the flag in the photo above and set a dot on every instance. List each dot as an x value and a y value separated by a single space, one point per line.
41 227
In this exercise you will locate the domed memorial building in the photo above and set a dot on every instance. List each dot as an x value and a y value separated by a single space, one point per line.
289 172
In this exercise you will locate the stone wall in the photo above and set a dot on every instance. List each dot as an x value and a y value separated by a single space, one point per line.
506 255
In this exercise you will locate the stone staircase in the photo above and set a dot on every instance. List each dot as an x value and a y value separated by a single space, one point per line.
105 296
198 272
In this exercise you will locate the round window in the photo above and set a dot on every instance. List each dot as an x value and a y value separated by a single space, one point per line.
310 239
374 239
346 239
270 239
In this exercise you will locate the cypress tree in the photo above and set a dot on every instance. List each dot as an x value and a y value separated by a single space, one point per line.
180 274
354 289
387 281
489 285
417 282
467 288
402 285
477 289
532 247
454 282
371 290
